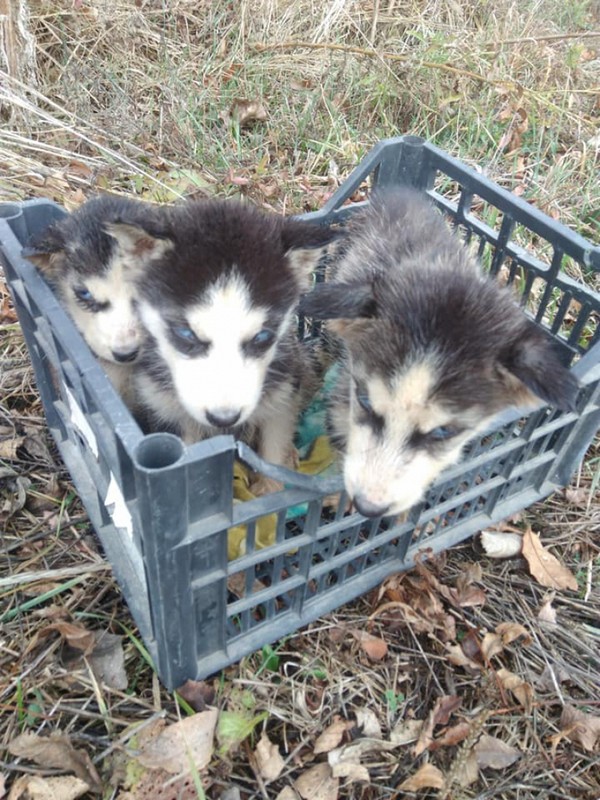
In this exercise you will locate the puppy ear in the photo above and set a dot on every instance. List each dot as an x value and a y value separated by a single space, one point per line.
339 301
137 242
304 243
46 250
534 359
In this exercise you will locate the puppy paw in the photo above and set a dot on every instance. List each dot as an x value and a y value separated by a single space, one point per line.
263 485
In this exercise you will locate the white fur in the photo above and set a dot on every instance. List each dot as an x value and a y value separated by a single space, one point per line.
118 327
383 470
224 378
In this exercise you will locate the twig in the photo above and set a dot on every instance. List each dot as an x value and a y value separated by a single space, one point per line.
553 37
51 575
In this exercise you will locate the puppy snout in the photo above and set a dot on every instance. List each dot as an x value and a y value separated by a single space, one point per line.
369 509
125 356
223 417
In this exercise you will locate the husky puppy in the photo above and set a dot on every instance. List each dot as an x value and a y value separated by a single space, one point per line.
219 303
93 275
432 350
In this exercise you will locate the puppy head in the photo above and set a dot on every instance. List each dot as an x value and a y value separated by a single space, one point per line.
93 272
430 364
219 303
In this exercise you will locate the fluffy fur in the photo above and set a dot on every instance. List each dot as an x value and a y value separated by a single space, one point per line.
432 349
94 275
223 356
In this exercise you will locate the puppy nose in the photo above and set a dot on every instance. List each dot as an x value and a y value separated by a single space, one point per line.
223 417
369 509
124 356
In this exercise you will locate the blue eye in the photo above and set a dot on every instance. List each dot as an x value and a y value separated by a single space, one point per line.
362 397
264 337
186 334
81 293
442 433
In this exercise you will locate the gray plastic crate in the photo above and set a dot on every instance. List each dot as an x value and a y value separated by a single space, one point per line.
162 510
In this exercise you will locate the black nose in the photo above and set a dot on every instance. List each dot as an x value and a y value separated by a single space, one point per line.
124 356
223 417
369 509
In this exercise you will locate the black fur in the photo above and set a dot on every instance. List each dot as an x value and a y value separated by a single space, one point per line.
412 288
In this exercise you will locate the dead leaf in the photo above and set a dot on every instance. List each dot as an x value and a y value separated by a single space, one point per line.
56 751
491 645
467 771
268 759
406 731
547 613
107 660
494 753
13 492
172 747
510 631
580 727
368 723
34 787
578 497
354 751
439 715
351 771
522 691
74 633
317 783
332 735
550 679
8 449
287 793
198 694
246 111
459 658
427 777
375 648
497 544
545 567
451 736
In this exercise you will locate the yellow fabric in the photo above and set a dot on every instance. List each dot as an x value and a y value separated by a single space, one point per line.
320 458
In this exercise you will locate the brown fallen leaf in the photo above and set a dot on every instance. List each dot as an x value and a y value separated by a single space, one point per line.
198 694
317 783
287 793
34 787
580 727
268 759
521 690
578 497
74 633
546 568
367 721
107 660
467 771
332 735
551 678
246 111
406 731
375 648
451 736
547 613
427 777
9 447
56 751
491 645
510 631
351 771
439 715
494 753
172 747
458 657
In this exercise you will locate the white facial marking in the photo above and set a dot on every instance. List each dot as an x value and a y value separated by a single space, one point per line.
116 328
384 469
225 378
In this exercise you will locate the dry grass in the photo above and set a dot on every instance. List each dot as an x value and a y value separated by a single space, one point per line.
136 98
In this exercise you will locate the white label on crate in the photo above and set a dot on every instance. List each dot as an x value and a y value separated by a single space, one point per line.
80 422
117 507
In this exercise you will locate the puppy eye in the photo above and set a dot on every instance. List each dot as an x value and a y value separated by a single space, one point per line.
187 342
263 338
364 402
185 334
83 294
442 433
